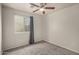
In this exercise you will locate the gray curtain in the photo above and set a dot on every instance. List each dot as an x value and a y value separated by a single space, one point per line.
31 40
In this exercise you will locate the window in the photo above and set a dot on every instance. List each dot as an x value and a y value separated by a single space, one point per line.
22 23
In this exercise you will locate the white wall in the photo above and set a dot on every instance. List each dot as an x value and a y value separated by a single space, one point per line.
12 39
0 31
45 27
63 28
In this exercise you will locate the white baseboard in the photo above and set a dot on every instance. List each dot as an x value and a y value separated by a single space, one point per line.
61 46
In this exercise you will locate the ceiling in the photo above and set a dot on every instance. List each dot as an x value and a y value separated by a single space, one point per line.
27 7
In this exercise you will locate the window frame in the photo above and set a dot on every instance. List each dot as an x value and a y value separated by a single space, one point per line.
15 24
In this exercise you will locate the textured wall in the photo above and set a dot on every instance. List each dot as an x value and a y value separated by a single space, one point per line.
63 28
12 39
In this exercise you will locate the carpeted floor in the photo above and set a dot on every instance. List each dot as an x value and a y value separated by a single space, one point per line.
42 48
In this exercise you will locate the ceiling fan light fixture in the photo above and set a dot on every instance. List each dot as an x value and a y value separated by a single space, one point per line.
42 9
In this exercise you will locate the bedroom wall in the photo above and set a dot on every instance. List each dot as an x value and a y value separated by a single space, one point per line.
0 31
12 39
63 28
45 27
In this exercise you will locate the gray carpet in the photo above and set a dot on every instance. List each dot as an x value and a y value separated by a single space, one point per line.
42 48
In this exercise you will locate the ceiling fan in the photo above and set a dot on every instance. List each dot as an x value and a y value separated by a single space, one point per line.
42 7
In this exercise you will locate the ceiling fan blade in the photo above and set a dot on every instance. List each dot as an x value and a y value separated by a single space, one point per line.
34 4
49 7
36 10
43 4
